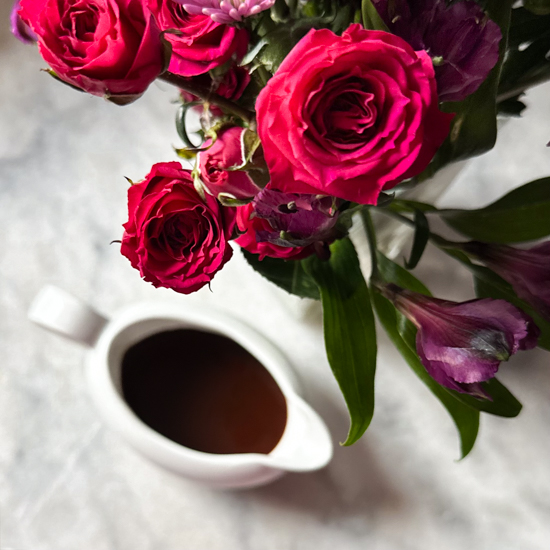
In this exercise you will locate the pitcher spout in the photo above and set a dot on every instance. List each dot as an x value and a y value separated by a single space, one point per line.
306 444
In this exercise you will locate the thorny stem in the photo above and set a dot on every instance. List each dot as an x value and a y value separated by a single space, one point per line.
204 93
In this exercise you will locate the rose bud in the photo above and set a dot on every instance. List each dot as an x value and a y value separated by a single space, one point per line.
296 220
460 38
223 11
109 48
527 270
19 28
351 115
173 237
250 225
214 165
462 344
231 85
200 44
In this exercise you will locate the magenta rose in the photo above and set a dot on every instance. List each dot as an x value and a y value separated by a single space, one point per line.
251 225
214 162
350 116
173 237
109 48
200 44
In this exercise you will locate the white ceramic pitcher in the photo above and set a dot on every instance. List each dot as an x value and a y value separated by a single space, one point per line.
304 446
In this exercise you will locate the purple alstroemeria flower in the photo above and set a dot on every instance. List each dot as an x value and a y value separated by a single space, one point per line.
460 38
19 28
297 219
462 344
527 270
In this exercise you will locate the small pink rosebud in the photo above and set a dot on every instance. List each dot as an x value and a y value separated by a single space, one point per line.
216 162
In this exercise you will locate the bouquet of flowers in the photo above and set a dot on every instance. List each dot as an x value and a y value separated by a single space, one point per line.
315 114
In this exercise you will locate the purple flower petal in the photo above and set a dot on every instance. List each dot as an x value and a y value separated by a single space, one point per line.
19 28
527 270
460 38
463 344
296 219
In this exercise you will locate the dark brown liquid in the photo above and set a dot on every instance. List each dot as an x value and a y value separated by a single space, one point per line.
205 392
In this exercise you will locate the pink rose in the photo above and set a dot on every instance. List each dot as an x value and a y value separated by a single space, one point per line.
174 238
251 225
349 116
201 44
214 162
108 48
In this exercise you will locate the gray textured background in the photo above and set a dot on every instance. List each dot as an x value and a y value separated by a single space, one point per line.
67 483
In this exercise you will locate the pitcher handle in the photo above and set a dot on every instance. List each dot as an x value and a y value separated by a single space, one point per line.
65 314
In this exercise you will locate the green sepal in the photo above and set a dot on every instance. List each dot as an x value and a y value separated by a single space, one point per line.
521 215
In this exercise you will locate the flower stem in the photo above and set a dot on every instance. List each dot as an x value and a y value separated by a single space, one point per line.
439 241
371 238
204 93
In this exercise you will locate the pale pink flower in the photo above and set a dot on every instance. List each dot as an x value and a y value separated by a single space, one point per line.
226 11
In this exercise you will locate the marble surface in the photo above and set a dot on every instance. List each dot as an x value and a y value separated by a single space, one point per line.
68 483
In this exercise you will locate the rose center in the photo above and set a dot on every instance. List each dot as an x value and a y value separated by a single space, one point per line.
178 12
81 22
182 234
351 116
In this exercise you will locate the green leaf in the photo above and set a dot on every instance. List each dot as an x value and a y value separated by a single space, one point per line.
526 64
289 275
421 238
394 273
503 403
251 55
350 336
371 17
526 27
465 418
521 215
280 41
539 7
511 107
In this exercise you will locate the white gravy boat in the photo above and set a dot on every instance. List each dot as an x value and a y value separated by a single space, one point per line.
304 446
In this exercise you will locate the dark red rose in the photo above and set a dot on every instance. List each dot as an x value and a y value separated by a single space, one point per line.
108 48
173 237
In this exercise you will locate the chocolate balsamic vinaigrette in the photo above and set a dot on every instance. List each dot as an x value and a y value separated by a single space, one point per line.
204 391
